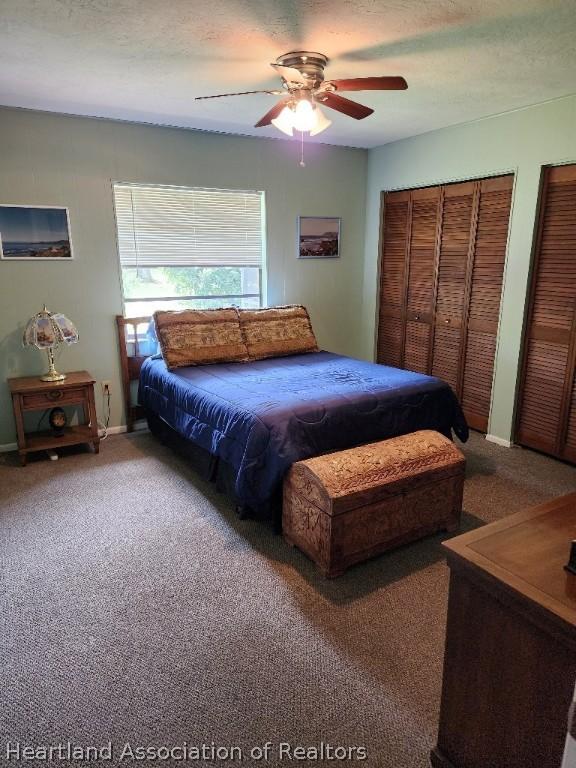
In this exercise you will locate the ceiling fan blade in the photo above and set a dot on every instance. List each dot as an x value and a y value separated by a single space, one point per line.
371 84
241 93
271 114
340 104
290 74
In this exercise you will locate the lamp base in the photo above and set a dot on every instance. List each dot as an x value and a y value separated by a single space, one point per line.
53 376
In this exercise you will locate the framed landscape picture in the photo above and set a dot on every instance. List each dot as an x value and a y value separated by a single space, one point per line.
318 237
34 232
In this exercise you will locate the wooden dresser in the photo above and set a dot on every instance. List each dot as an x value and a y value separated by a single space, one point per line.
510 662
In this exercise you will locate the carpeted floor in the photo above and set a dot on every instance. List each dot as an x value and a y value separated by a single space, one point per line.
137 609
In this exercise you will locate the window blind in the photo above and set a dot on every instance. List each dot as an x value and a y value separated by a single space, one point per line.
187 227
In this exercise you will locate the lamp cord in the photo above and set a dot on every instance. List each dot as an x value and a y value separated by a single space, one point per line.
106 404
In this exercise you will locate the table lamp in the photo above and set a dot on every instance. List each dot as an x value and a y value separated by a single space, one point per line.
47 330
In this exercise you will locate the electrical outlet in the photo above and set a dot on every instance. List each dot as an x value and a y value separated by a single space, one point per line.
106 387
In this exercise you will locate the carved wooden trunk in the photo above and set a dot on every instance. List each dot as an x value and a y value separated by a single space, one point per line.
346 507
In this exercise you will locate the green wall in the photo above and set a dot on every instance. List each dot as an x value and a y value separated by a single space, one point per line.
521 142
48 159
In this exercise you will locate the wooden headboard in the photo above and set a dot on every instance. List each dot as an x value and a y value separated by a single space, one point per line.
131 361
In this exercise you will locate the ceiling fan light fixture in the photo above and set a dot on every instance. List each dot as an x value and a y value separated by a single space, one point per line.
322 122
285 121
303 86
304 118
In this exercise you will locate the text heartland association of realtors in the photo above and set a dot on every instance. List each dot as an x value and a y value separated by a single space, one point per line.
17 752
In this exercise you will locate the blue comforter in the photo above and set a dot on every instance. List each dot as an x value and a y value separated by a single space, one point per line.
262 416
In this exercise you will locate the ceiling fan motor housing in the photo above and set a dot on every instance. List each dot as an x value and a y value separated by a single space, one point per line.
303 84
308 63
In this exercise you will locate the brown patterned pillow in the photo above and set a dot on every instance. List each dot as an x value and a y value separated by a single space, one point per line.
277 331
199 336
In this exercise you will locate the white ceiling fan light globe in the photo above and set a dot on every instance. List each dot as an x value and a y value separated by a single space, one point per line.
304 118
285 121
322 122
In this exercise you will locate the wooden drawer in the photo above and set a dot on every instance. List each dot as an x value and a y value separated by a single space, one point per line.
53 397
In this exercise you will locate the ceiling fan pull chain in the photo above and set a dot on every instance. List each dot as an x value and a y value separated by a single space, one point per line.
302 163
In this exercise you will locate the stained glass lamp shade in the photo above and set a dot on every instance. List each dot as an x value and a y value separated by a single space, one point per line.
48 330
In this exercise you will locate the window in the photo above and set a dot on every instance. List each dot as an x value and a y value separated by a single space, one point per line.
186 248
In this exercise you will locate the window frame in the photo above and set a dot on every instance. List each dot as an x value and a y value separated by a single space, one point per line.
262 268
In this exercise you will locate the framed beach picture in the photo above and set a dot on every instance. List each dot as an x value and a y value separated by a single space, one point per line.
318 237
34 232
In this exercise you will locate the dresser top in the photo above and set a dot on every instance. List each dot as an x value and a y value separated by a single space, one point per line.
25 384
527 552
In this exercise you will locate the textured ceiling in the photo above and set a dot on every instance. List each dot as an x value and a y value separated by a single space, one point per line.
145 60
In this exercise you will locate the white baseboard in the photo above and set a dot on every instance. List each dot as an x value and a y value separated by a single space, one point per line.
7 447
499 441
113 430
121 428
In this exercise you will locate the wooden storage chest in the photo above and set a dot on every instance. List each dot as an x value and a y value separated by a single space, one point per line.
345 507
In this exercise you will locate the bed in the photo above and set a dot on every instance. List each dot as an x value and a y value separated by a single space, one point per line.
249 421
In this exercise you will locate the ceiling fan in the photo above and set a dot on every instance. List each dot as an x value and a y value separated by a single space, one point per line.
304 89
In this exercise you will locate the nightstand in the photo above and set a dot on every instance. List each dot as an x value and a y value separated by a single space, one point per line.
30 393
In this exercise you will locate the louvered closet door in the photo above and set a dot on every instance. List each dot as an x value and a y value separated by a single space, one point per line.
424 230
392 279
487 270
443 253
546 414
457 221
566 196
547 403
569 448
